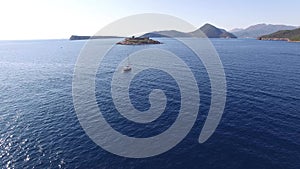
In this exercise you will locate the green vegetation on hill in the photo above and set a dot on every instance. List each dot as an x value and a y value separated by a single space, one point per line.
291 35
295 38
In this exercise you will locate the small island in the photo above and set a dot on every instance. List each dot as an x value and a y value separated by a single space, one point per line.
138 41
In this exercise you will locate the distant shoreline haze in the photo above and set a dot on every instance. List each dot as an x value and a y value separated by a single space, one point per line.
209 30
254 31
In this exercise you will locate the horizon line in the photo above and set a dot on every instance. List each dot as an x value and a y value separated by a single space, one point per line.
220 27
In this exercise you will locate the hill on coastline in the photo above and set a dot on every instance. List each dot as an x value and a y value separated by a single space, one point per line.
288 35
213 32
258 30
209 30
167 33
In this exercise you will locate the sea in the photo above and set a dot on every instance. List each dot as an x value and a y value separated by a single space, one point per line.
260 126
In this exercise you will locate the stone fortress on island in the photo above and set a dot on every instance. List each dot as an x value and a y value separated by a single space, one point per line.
138 41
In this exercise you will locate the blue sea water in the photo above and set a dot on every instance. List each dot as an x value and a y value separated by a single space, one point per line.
260 127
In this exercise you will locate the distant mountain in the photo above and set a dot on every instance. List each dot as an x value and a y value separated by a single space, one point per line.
288 35
209 30
213 32
168 33
258 30
236 30
76 37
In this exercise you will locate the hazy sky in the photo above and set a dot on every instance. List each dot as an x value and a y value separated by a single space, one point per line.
48 19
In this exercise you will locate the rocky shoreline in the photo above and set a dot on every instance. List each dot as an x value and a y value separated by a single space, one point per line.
285 35
276 39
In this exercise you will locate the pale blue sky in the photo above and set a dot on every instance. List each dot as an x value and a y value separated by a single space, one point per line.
48 19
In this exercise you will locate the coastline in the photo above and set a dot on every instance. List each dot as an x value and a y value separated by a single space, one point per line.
277 39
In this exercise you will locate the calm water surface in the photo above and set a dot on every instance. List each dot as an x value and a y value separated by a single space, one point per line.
260 127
